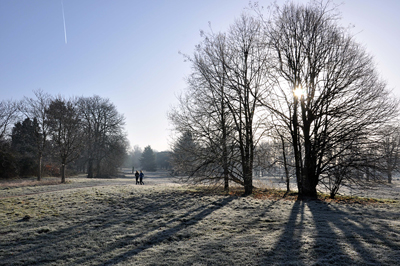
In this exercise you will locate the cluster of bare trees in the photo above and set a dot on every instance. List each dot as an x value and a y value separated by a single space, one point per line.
87 131
298 81
220 111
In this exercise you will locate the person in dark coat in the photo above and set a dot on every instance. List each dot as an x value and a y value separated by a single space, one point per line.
141 178
137 177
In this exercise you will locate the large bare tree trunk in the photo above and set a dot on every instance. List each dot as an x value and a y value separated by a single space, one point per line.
389 176
285 164
248 181
63 172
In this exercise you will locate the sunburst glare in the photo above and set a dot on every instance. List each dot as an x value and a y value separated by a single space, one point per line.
299 92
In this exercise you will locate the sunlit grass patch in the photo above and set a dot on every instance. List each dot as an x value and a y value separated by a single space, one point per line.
25 182
277 194
353 199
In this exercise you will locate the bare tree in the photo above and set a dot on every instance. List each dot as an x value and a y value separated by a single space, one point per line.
136 154
327 93
220 107
284 156
204 117
246 66
389 150
66 133
35 108
116 151
103 125
9 114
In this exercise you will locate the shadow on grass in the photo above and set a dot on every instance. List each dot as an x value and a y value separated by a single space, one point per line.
339 236
287 248
355 236
118 230
189 218
110 234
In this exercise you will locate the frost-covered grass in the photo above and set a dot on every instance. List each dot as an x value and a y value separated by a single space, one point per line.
114 222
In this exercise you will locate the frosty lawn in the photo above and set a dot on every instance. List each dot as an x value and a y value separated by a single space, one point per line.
118 223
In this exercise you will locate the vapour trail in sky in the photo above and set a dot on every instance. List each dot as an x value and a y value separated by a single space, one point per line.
65 28
128 51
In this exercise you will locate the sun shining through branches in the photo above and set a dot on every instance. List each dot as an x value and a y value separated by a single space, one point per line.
298 92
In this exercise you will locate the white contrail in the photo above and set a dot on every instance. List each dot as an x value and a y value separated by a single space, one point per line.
65 28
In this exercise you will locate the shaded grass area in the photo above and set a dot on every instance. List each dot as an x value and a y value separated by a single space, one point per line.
159 225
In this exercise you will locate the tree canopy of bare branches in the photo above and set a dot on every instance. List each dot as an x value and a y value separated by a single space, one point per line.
326 92
219 109
66 130
9 112
104 133
298 75
35 108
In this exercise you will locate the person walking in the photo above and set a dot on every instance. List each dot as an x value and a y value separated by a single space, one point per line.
137 177
141 178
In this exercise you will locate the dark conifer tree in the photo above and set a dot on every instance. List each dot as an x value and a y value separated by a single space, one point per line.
148 160
24 143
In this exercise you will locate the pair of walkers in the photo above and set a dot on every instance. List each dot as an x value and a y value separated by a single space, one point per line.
139 178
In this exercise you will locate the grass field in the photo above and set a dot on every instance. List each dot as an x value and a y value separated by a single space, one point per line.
114 222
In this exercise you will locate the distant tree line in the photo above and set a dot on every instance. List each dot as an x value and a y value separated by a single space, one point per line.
291 91
148 159
48 135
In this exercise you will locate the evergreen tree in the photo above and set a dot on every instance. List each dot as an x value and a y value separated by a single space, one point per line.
8 162
24 139
148 160
183 157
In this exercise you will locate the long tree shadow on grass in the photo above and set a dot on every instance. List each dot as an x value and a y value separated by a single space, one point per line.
287 248
88 223
354 236
338 236
187 219
112 227
313 232
150 235
233 242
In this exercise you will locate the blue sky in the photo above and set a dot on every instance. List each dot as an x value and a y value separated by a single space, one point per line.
128 50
